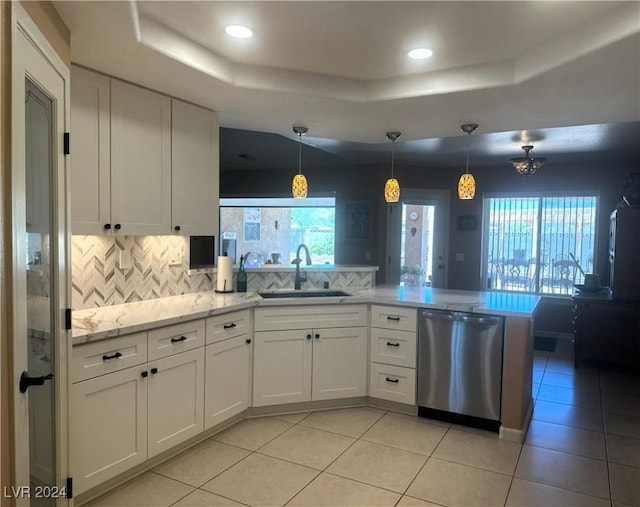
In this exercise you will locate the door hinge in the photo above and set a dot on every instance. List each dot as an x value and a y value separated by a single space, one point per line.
69 487
67 318
67 143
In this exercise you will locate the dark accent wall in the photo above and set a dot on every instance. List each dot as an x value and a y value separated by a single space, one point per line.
366 184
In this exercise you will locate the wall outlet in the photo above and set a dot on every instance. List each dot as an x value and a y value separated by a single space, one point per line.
124 262
175 256
459 257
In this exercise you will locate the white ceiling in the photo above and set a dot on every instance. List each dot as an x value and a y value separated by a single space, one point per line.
516 68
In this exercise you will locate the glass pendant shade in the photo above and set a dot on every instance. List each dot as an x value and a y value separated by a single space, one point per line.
299 187
466 186
392 190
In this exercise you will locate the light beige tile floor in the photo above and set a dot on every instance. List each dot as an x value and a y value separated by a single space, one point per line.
582 449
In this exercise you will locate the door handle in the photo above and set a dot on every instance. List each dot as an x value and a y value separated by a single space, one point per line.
229 326
26 381
178 340
392 380
391 344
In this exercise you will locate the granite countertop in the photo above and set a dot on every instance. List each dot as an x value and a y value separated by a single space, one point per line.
110 321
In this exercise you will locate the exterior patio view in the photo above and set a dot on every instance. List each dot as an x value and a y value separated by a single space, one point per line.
529 242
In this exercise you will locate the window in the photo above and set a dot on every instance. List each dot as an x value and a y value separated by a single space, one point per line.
269 230
528 242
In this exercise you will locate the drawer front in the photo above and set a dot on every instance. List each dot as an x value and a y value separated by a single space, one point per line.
393 347
305 317
228 325
393 317
106 356
170 340
392 383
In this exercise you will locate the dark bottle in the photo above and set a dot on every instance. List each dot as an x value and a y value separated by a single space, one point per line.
241 280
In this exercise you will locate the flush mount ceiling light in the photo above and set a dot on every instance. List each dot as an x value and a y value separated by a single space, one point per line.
527 165
299 186
467 183
419 53
392 187
238 31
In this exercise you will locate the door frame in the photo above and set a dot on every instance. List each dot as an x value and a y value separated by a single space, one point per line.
23 27
394 217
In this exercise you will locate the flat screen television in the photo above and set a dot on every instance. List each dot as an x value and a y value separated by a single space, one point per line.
202 252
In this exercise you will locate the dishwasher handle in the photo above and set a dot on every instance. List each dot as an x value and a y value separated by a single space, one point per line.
466 318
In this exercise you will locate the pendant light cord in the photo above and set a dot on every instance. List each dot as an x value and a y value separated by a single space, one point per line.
392 156
468 144
300 153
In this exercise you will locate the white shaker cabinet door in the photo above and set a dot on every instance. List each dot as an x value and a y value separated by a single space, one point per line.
108 426
282 367
175 399
226 379
90 152
339 363
140 160
195 163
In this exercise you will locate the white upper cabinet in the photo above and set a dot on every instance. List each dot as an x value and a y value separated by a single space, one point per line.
140 160
195 170
91 152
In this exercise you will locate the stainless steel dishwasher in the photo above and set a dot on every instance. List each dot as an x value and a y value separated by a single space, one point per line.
460 367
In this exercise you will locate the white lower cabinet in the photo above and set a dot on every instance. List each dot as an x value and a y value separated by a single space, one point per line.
175 400
392 371
108 426
309 363
226 379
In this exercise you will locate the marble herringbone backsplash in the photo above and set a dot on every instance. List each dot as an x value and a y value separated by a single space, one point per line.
97 280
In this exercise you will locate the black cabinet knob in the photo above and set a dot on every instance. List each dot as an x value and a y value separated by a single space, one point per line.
317 336
154 371
107 227
144 374
248 340
117 227
308 337
176 228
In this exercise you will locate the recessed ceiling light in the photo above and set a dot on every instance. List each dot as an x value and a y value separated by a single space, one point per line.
238 31
420 53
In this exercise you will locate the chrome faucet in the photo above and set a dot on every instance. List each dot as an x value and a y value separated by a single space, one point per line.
297 284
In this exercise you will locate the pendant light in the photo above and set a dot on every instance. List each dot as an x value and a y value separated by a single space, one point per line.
299 186
392 187
527 165
467 183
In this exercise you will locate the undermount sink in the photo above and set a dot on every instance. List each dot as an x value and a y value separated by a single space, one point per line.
304 294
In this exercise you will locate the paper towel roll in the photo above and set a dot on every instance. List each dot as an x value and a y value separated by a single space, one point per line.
225 274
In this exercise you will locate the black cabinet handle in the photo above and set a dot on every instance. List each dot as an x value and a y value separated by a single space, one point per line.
392 380
177 340
317 336
144 374
154 371
394 318
107 226
390 344
248 340
117 227
229 326
308 337
176 228
114 356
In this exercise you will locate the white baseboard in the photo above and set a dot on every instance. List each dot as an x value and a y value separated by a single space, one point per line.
514 434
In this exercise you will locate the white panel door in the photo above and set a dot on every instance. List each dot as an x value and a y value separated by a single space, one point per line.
140 160
108 426
226 379
195 175
339 363
175 399
91 144
282 367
